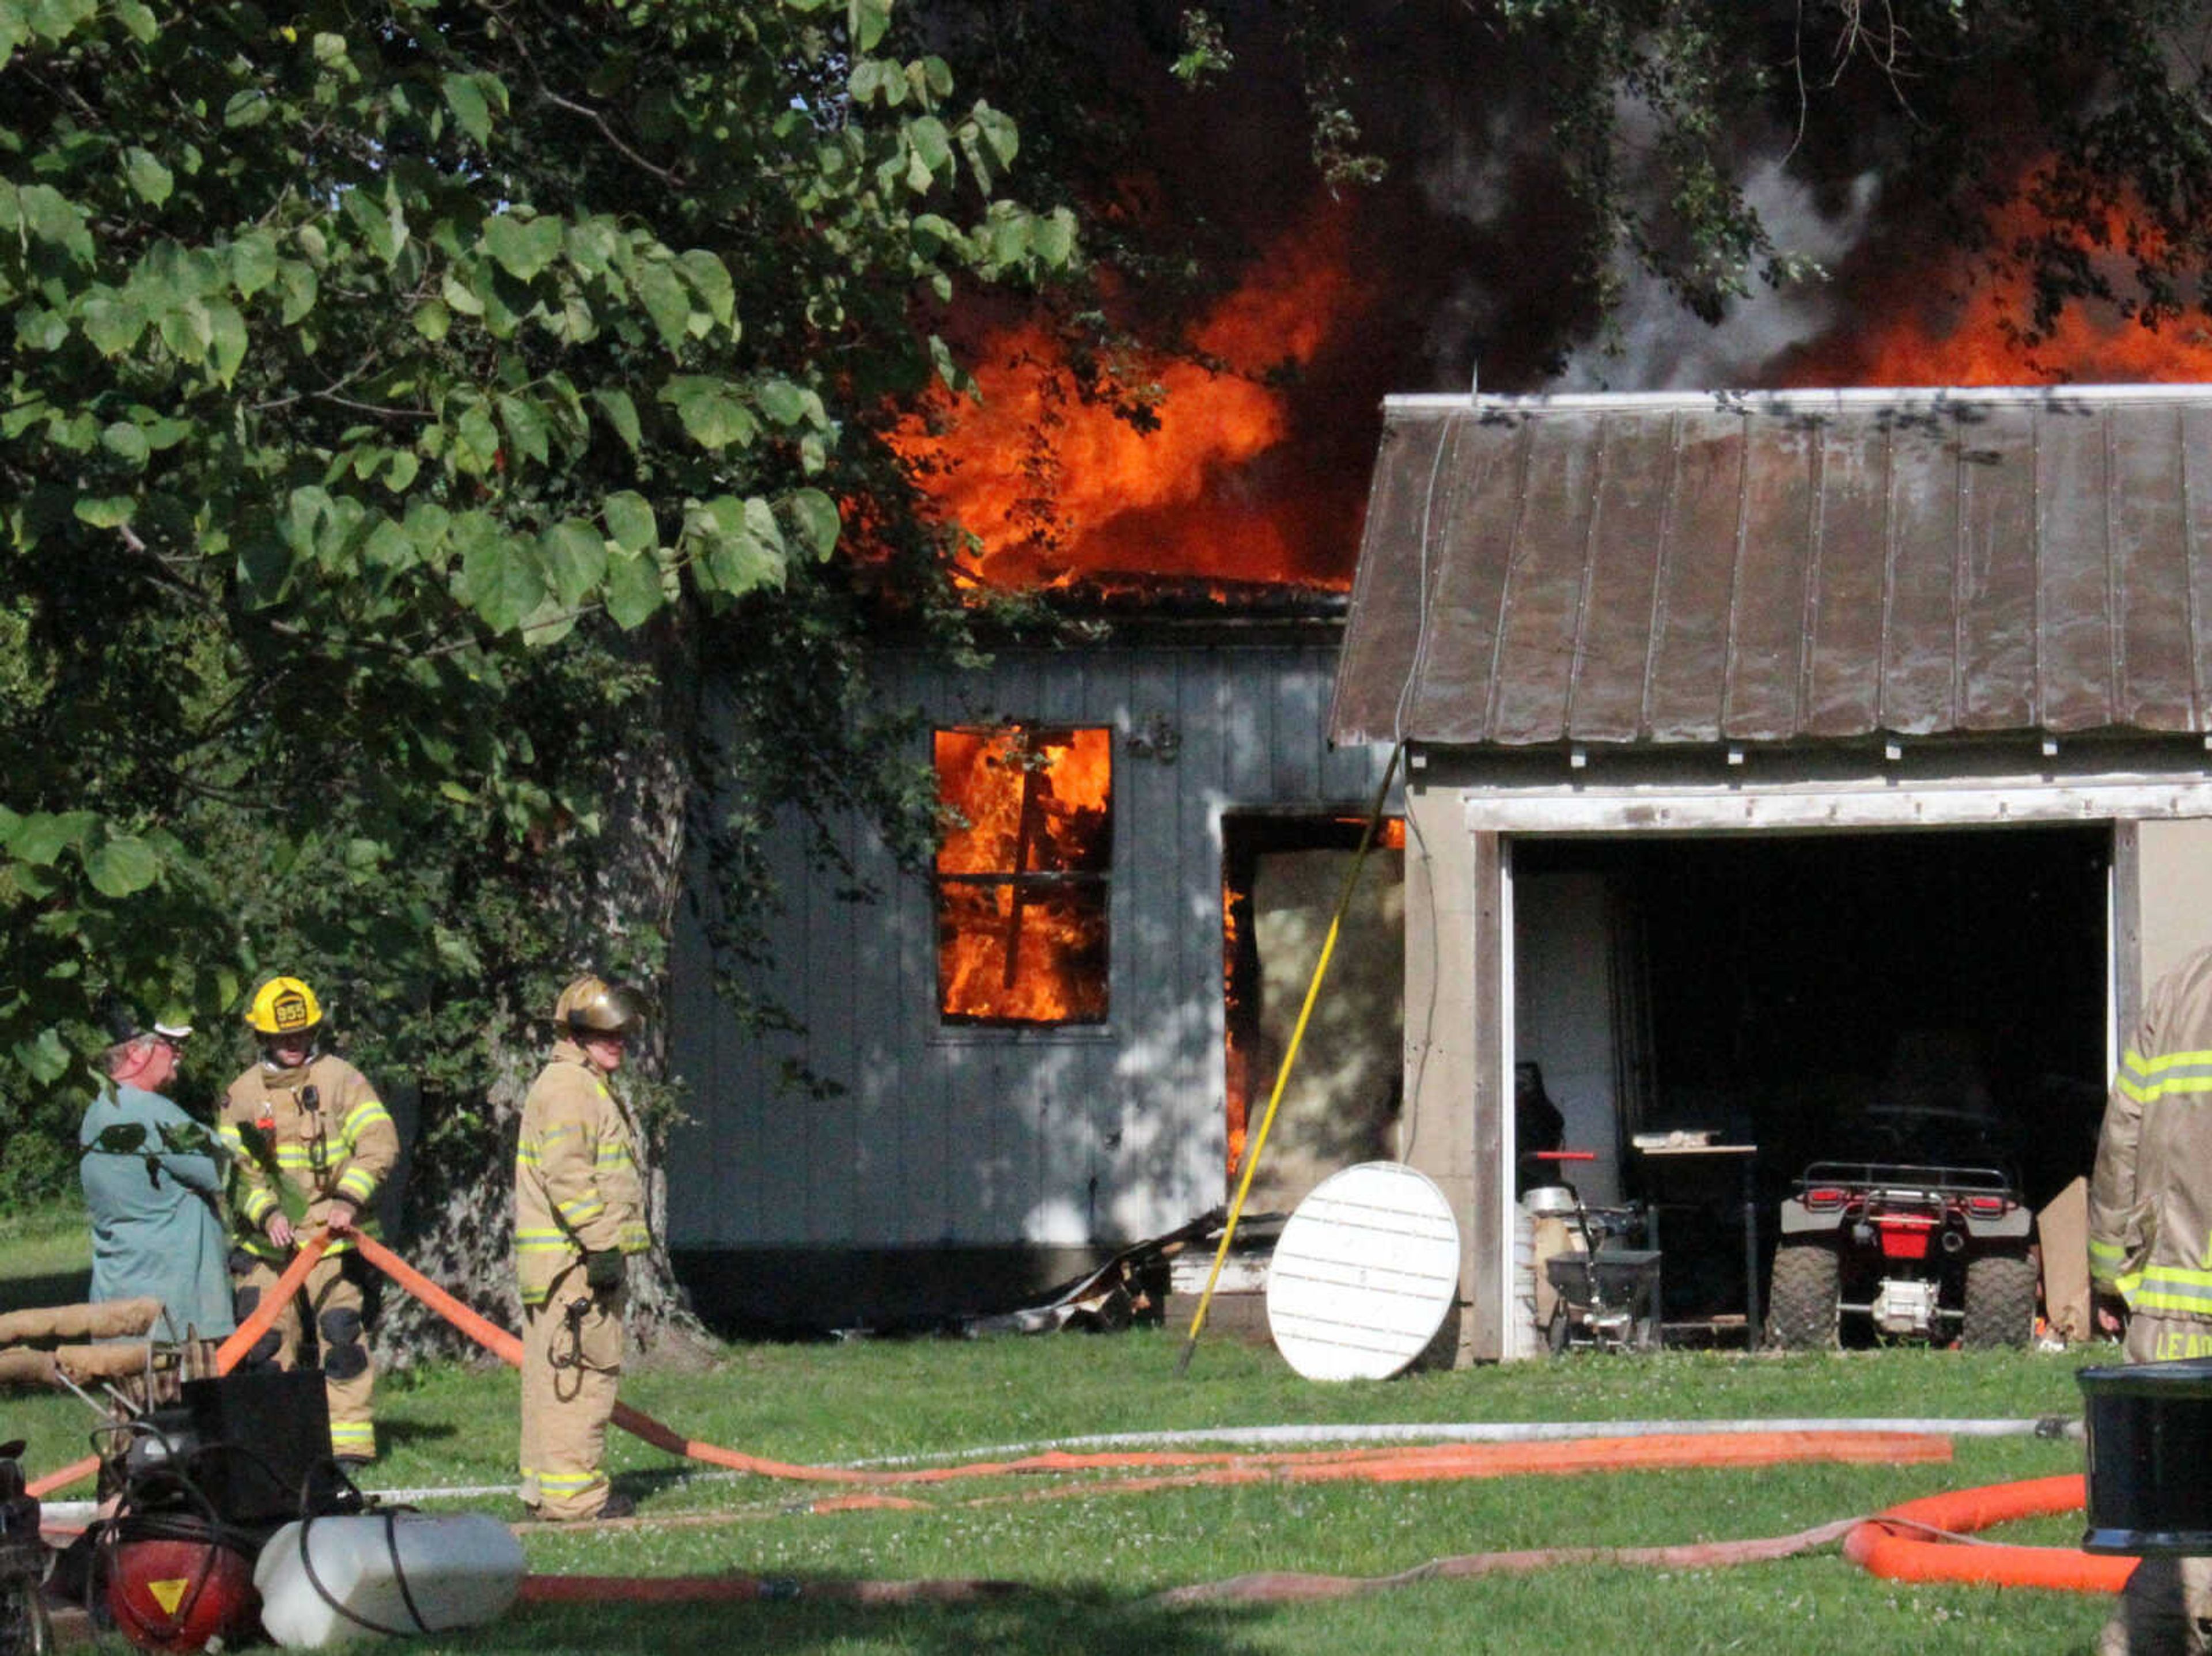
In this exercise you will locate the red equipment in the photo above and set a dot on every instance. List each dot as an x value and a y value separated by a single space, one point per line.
174 1592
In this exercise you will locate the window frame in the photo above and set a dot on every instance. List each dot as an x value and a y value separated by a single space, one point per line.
1027 736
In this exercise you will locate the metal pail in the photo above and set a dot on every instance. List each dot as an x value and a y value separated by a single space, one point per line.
2150 1444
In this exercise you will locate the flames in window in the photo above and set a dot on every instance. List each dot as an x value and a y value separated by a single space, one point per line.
1022 874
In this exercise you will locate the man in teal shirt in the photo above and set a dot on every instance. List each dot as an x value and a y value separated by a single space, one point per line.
153 1182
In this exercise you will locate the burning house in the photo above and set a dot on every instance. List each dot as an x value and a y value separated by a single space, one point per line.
1766 749
1035 1053
1778 757
1041 1048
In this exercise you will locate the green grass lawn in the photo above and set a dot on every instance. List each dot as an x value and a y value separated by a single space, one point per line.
1091 1564
46 1256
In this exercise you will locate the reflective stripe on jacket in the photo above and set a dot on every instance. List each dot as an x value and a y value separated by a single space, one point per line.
342 1148
2150 1198
576 1184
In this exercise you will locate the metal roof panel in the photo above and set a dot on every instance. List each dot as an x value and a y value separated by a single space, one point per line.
1783 567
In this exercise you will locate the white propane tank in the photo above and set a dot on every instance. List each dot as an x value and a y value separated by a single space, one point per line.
398 1573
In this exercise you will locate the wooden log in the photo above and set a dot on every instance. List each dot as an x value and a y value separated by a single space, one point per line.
52 1324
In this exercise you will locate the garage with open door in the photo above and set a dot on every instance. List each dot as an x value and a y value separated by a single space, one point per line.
1930 998
1780 767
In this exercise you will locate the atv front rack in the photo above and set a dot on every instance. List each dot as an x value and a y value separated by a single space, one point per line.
1905 1178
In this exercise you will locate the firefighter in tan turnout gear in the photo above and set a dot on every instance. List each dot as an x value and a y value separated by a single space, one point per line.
310 1144
2150 1251
578 1211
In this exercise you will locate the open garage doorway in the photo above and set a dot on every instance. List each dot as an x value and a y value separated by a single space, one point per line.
1282 875
1791 992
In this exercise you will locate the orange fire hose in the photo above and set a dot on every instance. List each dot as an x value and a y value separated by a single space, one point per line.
1896 1544
226 1355
1396 1463
1412 1461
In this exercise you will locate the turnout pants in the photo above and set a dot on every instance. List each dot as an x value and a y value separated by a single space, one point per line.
572 1352
336 1304
2166 1610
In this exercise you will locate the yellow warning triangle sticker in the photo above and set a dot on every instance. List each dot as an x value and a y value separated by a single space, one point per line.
168 1594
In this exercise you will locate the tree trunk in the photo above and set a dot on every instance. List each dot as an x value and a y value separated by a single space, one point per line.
616 921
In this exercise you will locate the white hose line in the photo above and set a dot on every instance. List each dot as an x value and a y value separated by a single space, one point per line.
2048 1426
1277 1437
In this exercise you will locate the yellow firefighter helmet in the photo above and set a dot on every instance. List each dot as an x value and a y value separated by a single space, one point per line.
283 1006
593 1006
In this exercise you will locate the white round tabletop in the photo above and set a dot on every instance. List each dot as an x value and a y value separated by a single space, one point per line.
1363 1273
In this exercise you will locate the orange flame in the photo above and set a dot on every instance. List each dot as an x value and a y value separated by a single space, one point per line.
1059 490
1958 325
1023 803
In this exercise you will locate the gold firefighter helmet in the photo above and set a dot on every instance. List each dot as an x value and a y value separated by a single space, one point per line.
283 1006
593 1006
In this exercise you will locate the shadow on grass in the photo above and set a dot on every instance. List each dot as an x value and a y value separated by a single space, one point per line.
1085 1619
57 1288
392 1433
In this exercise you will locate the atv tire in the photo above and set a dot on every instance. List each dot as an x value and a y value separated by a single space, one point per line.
2000 1305
1801 1298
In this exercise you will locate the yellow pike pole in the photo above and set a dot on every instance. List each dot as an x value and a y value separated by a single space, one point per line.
1290 1057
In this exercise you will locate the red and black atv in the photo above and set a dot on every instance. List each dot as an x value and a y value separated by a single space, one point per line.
1933 1254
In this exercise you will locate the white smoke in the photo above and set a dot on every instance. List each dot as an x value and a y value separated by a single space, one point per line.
1657 345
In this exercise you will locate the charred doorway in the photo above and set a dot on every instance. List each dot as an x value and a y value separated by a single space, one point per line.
1813 995
1282 875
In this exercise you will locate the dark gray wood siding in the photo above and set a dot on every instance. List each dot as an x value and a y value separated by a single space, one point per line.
967 1136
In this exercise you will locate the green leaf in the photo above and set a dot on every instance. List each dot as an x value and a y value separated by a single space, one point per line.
548 624
245 109
147 175
382 225
866 20
111 324
127 443
458 295
1053 238
226 340
998 131
575 556
433 320
622 414
630 522
253 262
45 1059
479 437
53 217
40 837
760 523
301 287
522 246
591 244
139 19
930 142
502 580
666 302
711 411
633 588
816 516
710 280
124 866
105 511
466 99
782 402
526 426
389 546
